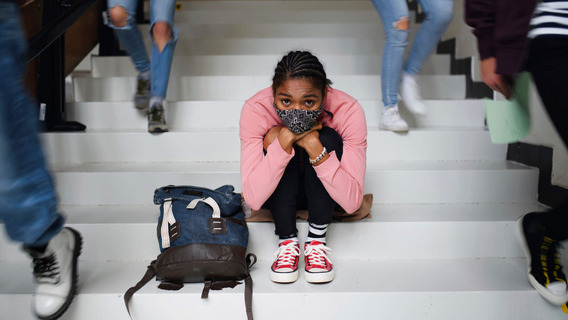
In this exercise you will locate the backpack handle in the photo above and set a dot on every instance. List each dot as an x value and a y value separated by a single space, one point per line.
217 225
170 219
211 202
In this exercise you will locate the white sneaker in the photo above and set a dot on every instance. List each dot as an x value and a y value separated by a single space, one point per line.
392 121
411 95
55 271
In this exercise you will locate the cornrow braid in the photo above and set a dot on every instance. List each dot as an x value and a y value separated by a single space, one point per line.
301 64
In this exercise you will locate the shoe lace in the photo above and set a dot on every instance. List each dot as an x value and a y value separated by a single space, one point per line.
550 261
46 270
286 254
156 114
317 254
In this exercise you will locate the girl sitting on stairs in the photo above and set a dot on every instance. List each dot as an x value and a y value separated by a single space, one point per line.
303 146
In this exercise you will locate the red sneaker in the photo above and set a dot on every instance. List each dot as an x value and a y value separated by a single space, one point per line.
285 267
318 266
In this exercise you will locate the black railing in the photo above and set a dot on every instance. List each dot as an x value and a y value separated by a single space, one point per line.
49 45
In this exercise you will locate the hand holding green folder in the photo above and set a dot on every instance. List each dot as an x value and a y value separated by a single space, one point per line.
509 121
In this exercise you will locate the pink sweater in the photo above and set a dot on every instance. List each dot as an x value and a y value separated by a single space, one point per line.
261 174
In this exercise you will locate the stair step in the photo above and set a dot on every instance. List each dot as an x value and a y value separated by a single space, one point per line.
277 45
190 65
261 29
285 6
196 115
422 182
250 28
362 87
296 14
420 231
442 288
221 146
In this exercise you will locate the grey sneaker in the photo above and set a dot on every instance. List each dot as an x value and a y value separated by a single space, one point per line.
157 118
142 95
55 271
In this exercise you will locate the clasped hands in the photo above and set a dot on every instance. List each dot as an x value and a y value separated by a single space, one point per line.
308 140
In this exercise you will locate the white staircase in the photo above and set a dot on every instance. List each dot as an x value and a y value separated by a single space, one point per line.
441 241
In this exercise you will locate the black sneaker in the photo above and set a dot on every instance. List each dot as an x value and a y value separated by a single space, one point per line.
544 269
142 95
55 271
157 118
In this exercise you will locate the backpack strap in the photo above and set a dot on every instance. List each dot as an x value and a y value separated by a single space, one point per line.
149 275
210 285
206 288
251 260
168 219
248 296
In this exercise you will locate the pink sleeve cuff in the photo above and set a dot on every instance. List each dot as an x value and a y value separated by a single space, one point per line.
278 154
329 166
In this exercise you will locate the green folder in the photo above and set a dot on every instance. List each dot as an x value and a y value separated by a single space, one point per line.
509 121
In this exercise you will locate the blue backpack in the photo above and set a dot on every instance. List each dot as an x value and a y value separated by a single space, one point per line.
203 237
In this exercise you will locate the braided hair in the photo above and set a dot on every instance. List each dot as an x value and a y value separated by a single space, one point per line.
298 65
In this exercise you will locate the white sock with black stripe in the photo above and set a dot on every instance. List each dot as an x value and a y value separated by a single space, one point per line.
295 239
317 232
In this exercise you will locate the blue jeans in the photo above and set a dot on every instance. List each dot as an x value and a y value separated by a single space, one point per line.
130 37
439 14
28 205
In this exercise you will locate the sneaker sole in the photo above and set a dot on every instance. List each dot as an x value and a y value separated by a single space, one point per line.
394 129
283 277
141 102
75 277
319 277
159 129
542 290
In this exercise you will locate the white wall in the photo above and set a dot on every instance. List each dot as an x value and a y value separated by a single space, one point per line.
466 45
542 131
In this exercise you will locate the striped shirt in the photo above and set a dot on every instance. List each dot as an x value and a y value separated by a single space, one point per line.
550 19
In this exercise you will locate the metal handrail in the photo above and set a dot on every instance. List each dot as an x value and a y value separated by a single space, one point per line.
56 28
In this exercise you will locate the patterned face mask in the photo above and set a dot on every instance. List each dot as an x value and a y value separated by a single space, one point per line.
298 120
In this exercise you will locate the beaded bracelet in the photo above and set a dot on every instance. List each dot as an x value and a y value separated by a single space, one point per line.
318 158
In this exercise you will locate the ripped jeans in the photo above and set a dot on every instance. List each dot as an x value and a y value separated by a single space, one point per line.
439 14
131 39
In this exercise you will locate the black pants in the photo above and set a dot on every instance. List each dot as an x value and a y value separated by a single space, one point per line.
300 188
547 61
